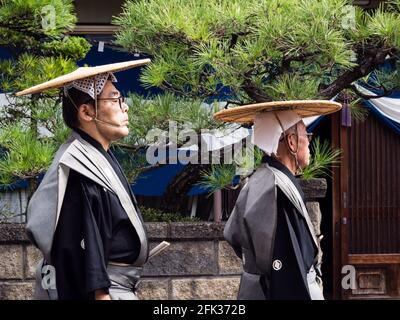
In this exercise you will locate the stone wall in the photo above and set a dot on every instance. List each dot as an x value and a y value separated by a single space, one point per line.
199 264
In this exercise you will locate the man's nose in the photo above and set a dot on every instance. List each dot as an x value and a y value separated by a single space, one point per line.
125 107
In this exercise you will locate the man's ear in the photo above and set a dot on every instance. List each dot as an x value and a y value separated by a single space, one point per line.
292 142
86 112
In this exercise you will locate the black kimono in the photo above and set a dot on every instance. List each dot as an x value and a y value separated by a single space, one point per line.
92 230
272 238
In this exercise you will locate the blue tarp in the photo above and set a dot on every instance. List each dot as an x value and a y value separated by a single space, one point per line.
395 126
5 54
156 181
20 184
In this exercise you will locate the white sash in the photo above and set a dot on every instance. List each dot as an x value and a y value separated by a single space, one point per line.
290 190
82 157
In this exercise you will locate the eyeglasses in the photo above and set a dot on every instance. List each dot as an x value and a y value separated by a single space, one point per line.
121 100
309 135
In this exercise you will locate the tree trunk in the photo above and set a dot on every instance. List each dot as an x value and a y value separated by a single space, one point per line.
32 186
174 198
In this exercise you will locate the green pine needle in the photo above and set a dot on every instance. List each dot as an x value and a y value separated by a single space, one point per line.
323 157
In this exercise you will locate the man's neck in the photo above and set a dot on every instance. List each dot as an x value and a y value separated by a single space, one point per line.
98 137
288 162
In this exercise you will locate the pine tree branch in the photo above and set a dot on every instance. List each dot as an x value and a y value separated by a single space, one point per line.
228 102
285 65
23 30
180 37
369 62
169 87
235 38
254 92
191 95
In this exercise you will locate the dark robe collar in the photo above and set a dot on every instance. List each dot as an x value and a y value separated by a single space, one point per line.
92 141
281 167
110 158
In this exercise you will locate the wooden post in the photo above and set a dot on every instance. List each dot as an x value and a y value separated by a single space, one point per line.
194 207
217 206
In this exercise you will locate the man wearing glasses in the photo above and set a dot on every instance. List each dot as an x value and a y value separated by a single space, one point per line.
84 217
269 228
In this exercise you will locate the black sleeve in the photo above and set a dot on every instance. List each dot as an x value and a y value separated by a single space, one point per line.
235 232
97 224
81 241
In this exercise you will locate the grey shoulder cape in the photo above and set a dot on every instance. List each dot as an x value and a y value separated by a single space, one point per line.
251 227
45 206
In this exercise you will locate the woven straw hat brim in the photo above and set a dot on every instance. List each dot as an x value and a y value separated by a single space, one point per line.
304 108
81 73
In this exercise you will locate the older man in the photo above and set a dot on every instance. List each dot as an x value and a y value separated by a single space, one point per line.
269 228
84 217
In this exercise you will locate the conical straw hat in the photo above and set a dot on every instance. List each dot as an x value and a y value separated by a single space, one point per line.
304 108
81 73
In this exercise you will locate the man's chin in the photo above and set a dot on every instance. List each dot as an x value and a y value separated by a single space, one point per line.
305 165
125 131
122 133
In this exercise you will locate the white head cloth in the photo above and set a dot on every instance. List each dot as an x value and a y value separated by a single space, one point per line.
267 130
87 85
